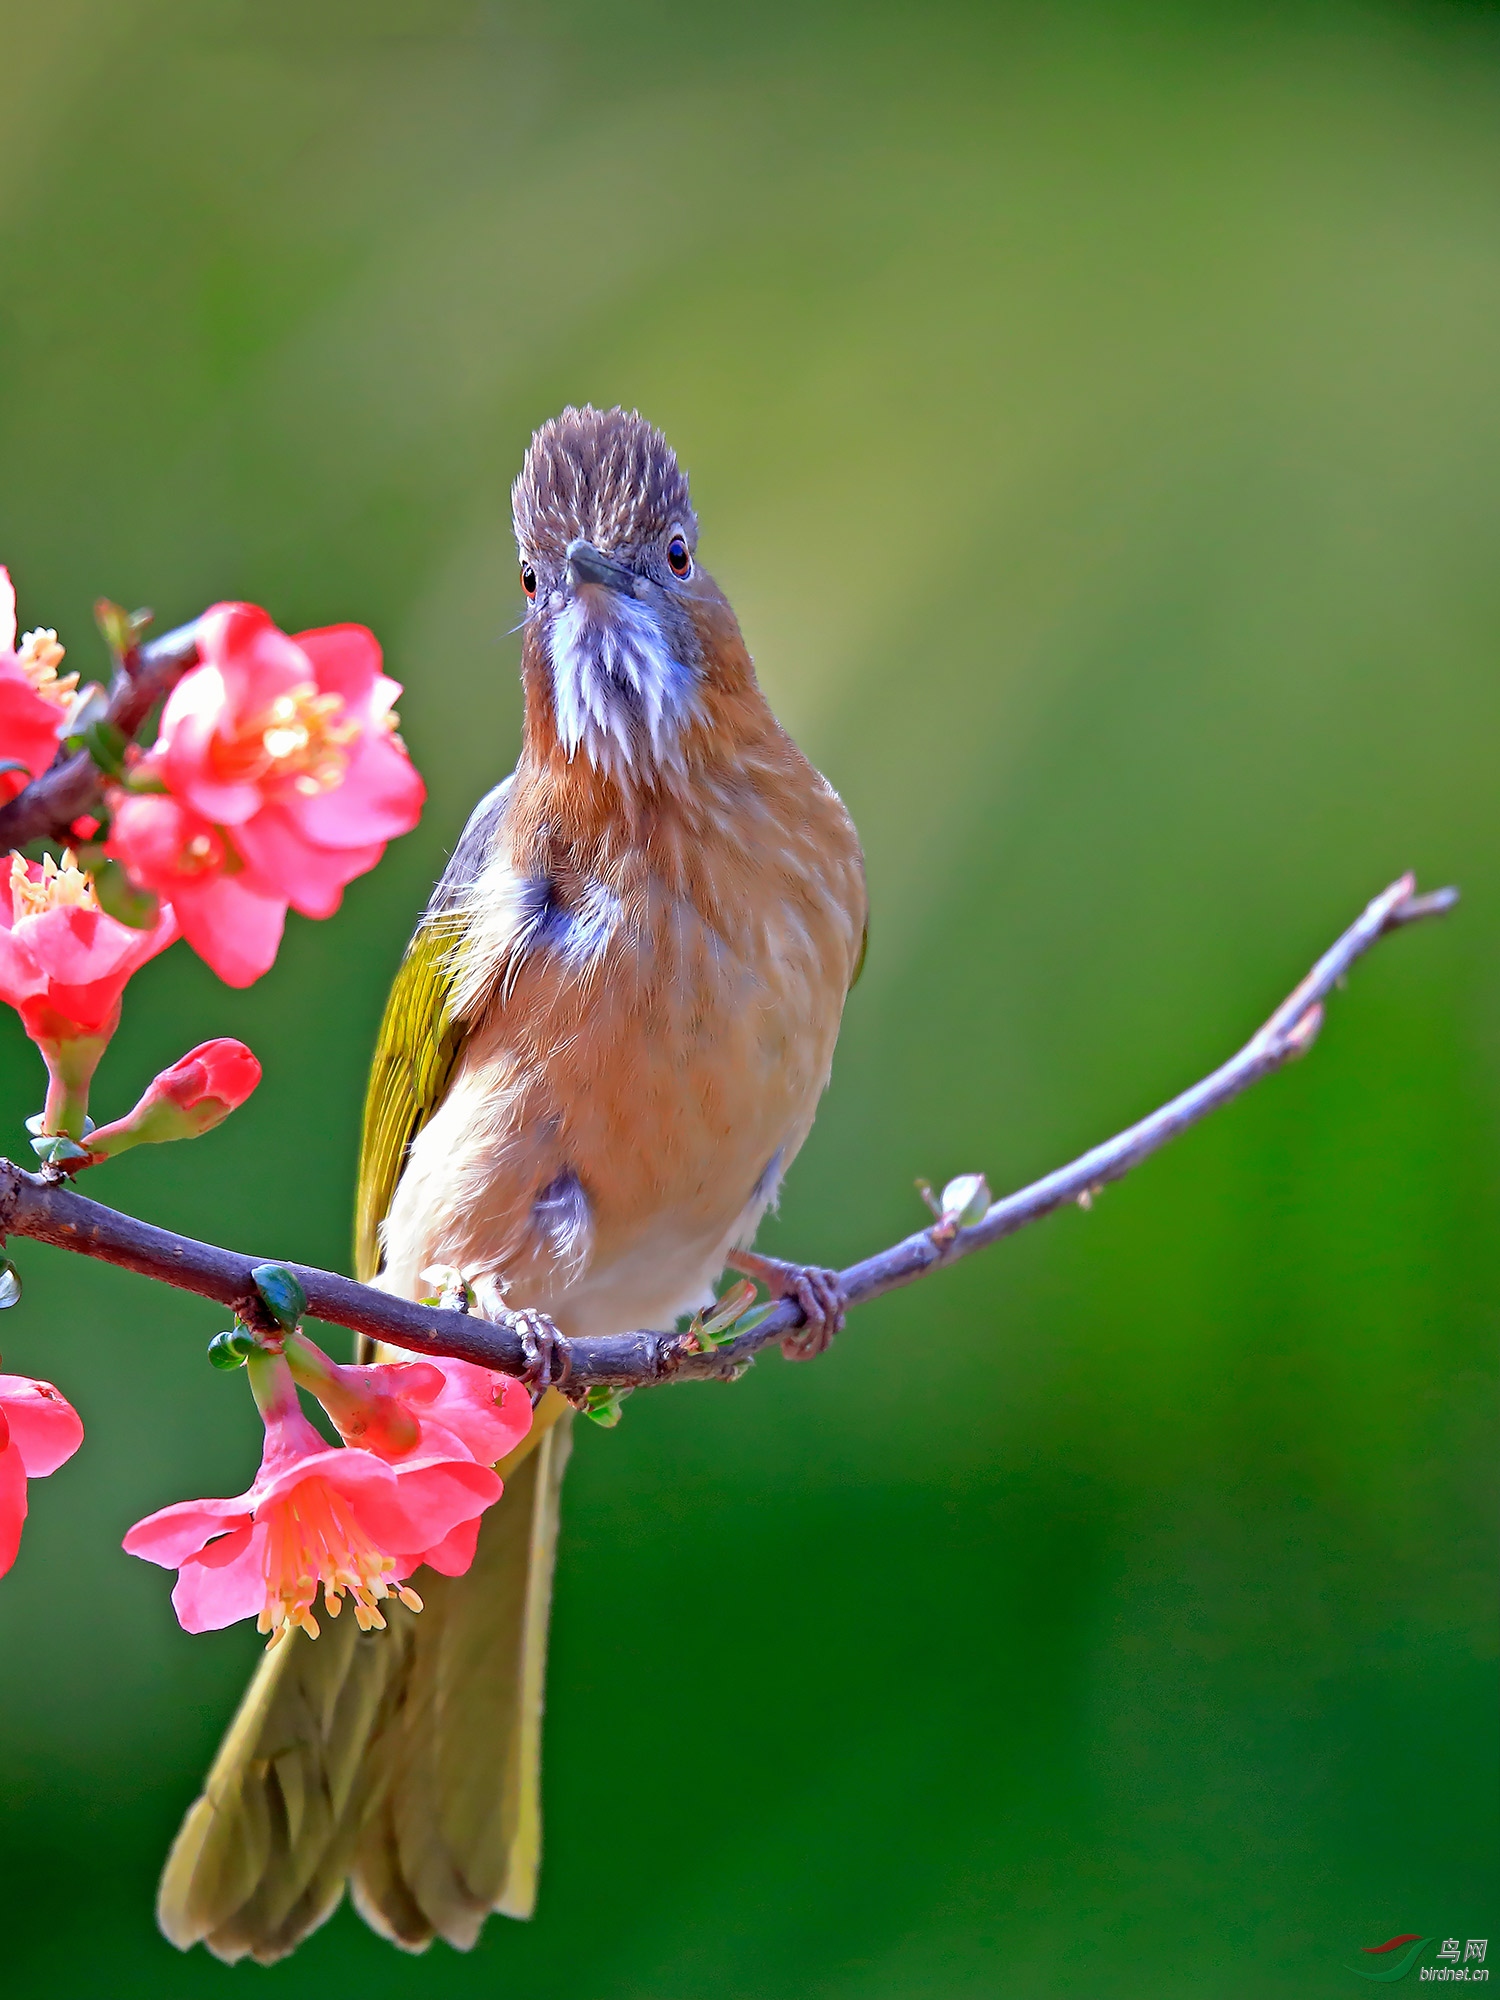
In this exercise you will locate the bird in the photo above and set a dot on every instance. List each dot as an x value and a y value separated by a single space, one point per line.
601 1053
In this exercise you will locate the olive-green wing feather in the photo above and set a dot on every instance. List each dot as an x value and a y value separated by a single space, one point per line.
418 1045
420 1037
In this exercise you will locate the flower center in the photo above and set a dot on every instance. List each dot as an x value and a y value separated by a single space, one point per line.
60 886
298 740
39 656
314 1538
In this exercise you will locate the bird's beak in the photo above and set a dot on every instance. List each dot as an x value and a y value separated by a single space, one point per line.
587 565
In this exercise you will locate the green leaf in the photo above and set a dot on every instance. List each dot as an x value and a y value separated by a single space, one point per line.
230 1349
281 1292
114 624
604 1406
55 1149
106 743
10 1284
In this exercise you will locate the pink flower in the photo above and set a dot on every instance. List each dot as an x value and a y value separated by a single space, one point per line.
285 780
39 1431
34 698
63 966
226 919
197 1093
404 1409
340 1519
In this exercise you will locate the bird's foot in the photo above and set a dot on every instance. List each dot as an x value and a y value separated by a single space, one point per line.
817 1291
548 1363
545 1351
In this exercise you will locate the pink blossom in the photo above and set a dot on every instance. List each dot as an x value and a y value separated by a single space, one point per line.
411 1409
63 962
34 698
63 965
285 779
39 1430
226 918
341 1519
197 1093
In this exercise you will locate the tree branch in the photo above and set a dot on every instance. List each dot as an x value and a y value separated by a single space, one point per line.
40 1207
48 806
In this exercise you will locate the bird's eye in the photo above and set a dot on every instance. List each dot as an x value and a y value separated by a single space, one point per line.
528 579
678 558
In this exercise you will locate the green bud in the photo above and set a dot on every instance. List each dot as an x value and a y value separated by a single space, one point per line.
232 1349
10 1284
281 1293
966 1200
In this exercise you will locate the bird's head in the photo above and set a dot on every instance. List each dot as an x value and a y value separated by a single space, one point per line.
625 636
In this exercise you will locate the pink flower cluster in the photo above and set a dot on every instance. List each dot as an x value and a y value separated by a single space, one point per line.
276 777
282 779
407 1488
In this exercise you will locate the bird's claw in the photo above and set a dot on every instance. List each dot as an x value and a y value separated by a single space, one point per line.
823 1302
548 1364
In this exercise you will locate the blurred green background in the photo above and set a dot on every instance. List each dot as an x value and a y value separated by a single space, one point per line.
1094 414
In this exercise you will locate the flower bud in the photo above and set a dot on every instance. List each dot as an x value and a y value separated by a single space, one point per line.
198 1092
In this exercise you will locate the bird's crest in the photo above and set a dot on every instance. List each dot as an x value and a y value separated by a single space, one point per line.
605 476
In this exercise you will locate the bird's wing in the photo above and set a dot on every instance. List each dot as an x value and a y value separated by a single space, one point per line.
421 1035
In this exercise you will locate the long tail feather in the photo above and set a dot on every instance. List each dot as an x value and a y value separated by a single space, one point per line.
406 1762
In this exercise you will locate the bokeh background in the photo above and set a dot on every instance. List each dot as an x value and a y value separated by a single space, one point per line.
1094 414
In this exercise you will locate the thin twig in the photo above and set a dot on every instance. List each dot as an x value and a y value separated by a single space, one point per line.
31 1205
48 806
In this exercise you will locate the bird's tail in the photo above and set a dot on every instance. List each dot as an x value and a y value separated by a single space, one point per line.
406 1763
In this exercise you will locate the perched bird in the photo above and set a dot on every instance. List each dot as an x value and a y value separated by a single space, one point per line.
601 1053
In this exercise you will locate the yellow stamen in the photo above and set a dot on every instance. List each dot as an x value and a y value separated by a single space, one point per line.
62 885
298 740
314 1540
39 656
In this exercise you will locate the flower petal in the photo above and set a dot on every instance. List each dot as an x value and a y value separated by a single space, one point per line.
44 1427
225 1583
455 1552
381 797
172 1534
311 878
12 1504
359 1475
346 660
433 1497
233 928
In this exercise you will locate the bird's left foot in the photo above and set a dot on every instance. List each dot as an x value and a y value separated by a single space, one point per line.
547 1360
817 1291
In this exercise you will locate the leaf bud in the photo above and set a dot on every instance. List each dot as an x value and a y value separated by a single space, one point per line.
231 1349
966 1200
281 1293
